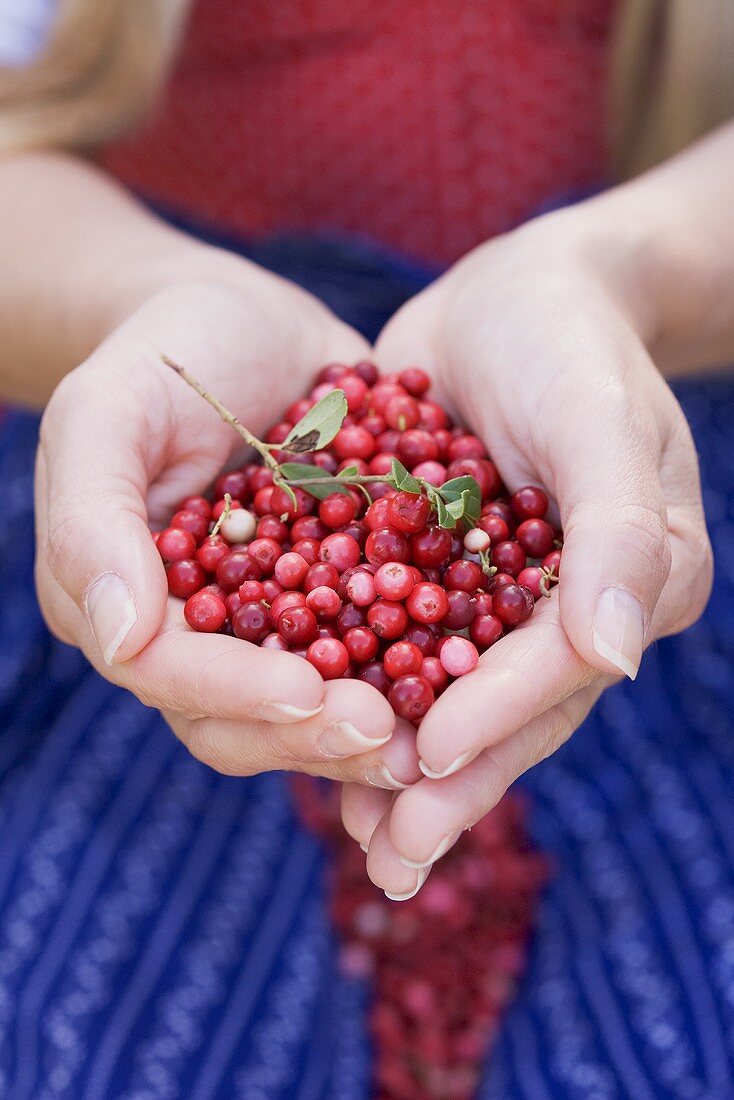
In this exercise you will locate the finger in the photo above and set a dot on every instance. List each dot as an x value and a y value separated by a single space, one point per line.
386 869
427 820
362 809
519 678
380 752
94 540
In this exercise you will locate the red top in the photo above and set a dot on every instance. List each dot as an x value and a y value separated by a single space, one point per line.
429 125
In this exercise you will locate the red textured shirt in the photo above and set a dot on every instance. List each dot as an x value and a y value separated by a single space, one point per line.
428 125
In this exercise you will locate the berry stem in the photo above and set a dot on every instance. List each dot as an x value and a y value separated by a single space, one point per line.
223 515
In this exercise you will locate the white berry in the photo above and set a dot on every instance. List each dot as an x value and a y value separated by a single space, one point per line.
239 526
476 540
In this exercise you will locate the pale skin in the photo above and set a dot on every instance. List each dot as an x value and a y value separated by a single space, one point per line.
549 342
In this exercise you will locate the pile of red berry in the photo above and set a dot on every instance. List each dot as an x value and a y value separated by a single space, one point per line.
367 580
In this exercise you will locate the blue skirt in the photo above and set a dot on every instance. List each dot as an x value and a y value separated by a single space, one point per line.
163 931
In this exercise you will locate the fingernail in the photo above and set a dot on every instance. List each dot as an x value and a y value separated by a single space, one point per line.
422 876
381 776
442 848
619 630
284 712
111 612
453 766
344 739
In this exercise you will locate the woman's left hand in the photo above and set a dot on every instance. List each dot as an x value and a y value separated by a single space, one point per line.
530 341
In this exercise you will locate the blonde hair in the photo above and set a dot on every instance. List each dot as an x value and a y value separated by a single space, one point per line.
672 75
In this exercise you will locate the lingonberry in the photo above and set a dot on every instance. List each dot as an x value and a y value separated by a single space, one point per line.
252 622
373 673
271 588
270 527
274 641
508 557
297 625
411 697
463 574
466 446
331 373
236 567
387 618
251 590
378 514
262 502
325 460
401 412
282 504
495 527
358 532
353 442
483 602
431 547
394 580
290 569
460 612
382 393
337 510
374 424
513 604
237 483
536 537
320 574
423 635
552 562
354 388
386 544
205 612
380 464
498 581
367 371
185 577
341 550
402 659
407 512
278 432
239 526
485 630
176 544
529 503
417 445
350 616
297 410
324 603
194 522
259 478
284 602
308 549
265 552
328 630
477 540
329 657
387 441
480 469
211 552
232 603
361 644
308 527
433 671
432 472
432 417
360 588
196 504
532 577
427 603
415 381
458 656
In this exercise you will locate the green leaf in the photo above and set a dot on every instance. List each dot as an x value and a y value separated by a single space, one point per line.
445 519
318 427
402 479
455 508
297 472
347 472
467 489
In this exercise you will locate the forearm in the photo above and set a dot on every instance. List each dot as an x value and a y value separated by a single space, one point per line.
665 245
79 255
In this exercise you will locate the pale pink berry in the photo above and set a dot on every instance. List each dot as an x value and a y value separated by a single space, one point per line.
458 655
239 526
476 540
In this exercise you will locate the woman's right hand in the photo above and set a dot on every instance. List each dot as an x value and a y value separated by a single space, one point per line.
122 440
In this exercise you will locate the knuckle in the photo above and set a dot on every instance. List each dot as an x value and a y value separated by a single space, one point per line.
63 540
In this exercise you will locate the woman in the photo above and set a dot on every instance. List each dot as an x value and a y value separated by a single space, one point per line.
430 135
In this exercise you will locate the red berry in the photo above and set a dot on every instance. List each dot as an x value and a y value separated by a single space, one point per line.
236 567
407 512
329 657
236 483
349 617
498 581
394 580
483 601
281 503
270 527
417 445
194 522
324 602
433 671
513 604
308 550
495 527
387 619
463 574
232 603
374 674
205 612
411 697
536 537
321 573
262 503
531 578
402 659
251 590
353 442
361 589
529 503
308 527
285 601
423 635
466 446
176 544
431 547
485 630
297 625
259 477
433 417
354 389
252 622
341 550
427 603
196 504
211 552
367 371
386 544
185 577
432 472
458 656
552 562
265 552
401 412
508 557
271 589
361 644
291 570
460 612
337 510
274 641
414 380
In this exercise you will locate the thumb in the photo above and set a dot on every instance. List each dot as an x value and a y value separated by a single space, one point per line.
616 554
99 574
